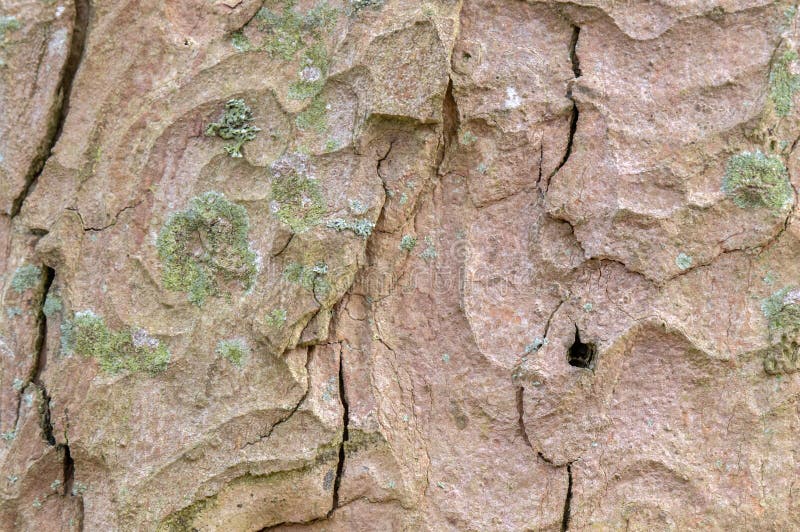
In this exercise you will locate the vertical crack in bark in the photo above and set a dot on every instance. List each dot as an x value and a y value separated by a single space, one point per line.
451 121
567 501
521 416
345 435
574 113
41 360
59 115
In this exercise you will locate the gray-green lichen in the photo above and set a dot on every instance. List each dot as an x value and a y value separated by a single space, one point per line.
355 6
52 305
782 311
683 261
276 318
783 83
7 25
361 227
235 124
755 180
296 195
429 253
234 350
26 277
204 246
311 277
408 243
129 350
314 117
290 31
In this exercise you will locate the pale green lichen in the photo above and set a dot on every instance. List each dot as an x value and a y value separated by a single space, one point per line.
26 277
7 25
782 310
429 253
234 350
331 145
13 312
361 227
683 261
783 83
408 243
355 6
276 318
8 435
314 117
312 76
296 195
755 180
289 31
311 277
129 350
536 345
468 138
240 41
205 245
52 305
234 124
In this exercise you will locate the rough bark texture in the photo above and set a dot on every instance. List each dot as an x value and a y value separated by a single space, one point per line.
399 265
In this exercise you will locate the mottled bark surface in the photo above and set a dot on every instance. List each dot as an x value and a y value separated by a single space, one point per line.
393 265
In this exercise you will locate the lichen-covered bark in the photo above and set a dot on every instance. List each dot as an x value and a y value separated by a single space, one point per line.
391 265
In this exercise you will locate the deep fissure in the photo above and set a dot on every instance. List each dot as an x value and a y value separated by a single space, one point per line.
567 501
56 123
345 435
574 112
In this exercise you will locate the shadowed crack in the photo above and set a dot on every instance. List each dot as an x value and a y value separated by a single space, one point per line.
521 416
567 501
574 113
345 435
56 121
567 511
450 124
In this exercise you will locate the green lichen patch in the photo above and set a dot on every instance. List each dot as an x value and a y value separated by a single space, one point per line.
355 6
782 310
276 317
312 277
755 180
314 117
783 83
240 41
361 227
234 350
235 124
408 243
683 261
26 277
52 305
204 245
290 31
296 195
131 350
312 75
429 253
7 25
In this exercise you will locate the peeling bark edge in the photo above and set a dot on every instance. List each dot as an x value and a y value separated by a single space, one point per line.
80 30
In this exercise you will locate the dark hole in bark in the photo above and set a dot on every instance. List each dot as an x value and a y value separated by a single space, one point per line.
581 355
